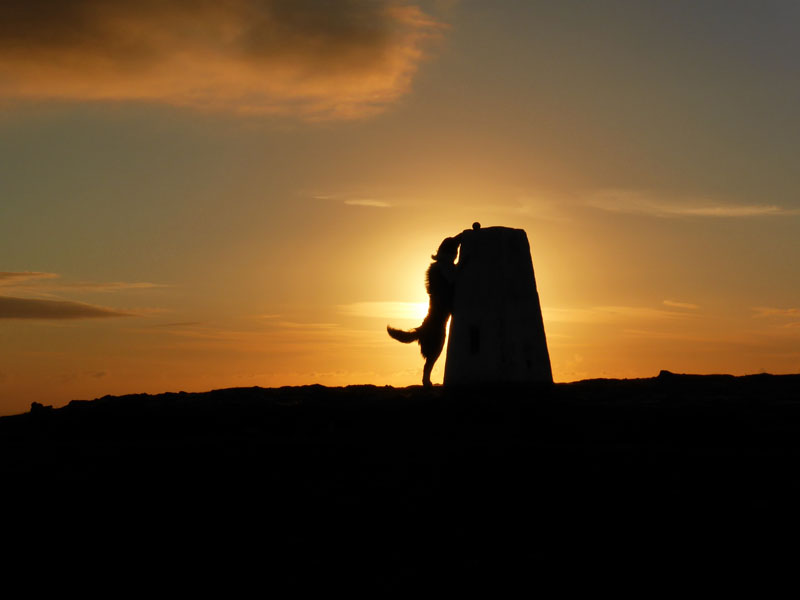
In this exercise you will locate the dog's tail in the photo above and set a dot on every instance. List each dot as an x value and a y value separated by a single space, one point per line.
403 336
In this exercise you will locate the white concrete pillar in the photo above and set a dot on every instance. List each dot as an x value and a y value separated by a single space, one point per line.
496 332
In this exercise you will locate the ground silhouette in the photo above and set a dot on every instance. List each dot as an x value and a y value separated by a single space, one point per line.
386 486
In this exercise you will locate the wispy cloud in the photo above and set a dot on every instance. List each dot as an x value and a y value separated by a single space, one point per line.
43 283
643 203
734 211
668 334
367 202
768 311
353 200
29 308
778 322
543 207
309 336
307 326
112 286
386 310
16 277
608 314
684 305
274 336
46 303
311 58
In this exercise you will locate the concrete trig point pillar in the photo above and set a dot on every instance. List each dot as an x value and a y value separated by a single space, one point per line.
496 331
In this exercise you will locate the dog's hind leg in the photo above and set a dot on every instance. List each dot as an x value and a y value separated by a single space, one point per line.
426 371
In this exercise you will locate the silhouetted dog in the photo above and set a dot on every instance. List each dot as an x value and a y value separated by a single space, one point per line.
439 281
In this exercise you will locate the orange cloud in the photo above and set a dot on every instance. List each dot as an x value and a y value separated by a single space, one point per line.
643 203
310 58
15 277
677 304
414 311
44 283
768 311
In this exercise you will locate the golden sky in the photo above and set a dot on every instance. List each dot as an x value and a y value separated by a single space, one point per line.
197 195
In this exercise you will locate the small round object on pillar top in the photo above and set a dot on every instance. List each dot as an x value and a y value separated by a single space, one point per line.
476 225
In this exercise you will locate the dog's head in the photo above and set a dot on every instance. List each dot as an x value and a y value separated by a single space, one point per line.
448 250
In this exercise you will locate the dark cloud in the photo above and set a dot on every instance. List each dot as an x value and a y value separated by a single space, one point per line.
315 58
30 308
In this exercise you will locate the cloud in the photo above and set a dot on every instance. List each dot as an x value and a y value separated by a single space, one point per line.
41 283
29 308
15 277
353 200
642 203
542 206
767 311
178 324
609 314
386 310
112 286
367 202
316 59
313 327
676 304
275 336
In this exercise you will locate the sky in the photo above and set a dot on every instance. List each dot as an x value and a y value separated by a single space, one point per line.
198 195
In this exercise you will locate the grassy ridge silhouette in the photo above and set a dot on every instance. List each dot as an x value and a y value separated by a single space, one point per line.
414 483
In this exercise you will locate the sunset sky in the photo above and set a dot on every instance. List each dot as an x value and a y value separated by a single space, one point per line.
198 194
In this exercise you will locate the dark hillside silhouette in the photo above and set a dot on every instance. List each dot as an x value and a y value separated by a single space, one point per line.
476 488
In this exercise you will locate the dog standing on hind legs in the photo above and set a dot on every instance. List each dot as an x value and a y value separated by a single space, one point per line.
440 283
